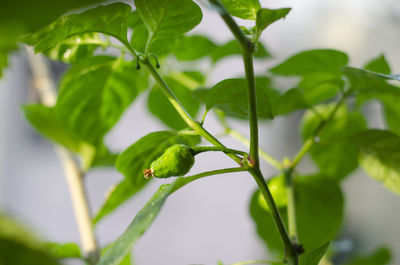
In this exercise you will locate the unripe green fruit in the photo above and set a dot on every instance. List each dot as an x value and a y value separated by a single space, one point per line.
277 187
177 160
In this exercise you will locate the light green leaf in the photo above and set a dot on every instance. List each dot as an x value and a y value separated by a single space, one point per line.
49 123
160 106
95 93
246 9
332 144
64 251
320 86
381 256
319 211
379 65
233 48
193 47
230 96
380 156
167 19
314 256
75 48
266 17
109 19
312 61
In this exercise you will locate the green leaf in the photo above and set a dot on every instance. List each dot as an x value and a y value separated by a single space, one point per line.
313 257
266 17
134 160
319 211
109 19
291 100
95 93
63 251
332 144
168 19
49 123
379 152
381 256
162 108
142 221
320 86
245 9
230 96
312 61
75 48
379 65
233 48
19 247
193 47
116 196
365 80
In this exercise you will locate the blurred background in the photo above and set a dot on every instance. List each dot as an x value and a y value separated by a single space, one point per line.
208 220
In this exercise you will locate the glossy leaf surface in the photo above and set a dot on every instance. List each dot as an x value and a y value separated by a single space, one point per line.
245 9
109 19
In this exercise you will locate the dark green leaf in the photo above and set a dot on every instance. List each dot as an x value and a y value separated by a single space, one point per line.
230 96
380 156
142 221
232 48
162 108
311 61
332 144
381 256
379 65
320 86
19 247
95 93
314 256
193 47
246 9
319 211
64 251
266 17
168 19
291 100
392 112
49 123
75 48
109 19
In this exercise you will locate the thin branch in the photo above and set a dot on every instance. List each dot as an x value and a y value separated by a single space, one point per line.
46 90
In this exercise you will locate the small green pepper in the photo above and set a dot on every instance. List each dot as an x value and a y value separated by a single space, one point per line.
177 160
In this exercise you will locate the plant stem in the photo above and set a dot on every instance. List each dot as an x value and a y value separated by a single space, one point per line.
194 125
201 149
310 141
46 90
291 252
241 138
291 206
247 52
